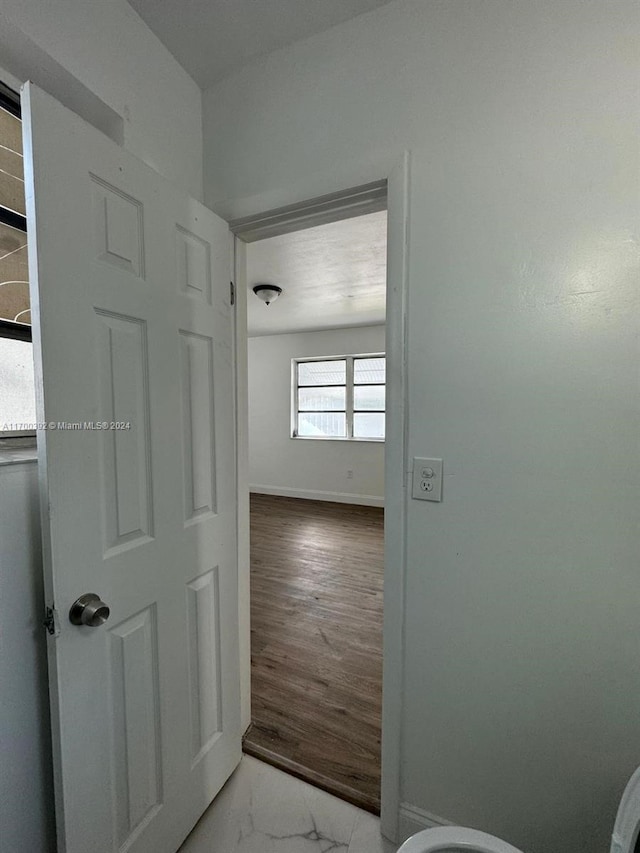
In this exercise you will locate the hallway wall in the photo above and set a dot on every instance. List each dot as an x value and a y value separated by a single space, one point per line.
522 586
26 792
98 56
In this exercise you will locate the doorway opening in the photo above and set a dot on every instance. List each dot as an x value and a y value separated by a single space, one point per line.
316 429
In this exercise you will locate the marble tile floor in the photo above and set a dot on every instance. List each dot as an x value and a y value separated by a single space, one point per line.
262 810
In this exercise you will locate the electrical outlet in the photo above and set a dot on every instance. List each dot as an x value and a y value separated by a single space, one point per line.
349 474
427 479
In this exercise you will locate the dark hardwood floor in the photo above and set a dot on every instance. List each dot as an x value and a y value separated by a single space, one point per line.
316 643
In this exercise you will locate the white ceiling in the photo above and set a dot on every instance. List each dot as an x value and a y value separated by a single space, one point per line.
211 38
331 276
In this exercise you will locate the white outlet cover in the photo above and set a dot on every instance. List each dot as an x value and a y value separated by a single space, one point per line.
427 479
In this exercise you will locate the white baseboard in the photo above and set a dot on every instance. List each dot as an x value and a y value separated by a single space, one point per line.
412 820
313 495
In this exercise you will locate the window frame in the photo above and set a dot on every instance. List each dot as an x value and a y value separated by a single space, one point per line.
349 386
10 102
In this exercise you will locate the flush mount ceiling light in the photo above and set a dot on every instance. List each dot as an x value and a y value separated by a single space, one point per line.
267 292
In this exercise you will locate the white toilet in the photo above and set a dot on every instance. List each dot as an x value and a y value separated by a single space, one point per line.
626 832
625 839
455 838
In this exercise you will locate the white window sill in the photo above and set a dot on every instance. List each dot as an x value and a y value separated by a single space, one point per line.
16 451
336 438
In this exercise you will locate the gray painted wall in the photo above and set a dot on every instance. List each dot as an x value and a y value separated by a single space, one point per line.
26 792
522 671
103 62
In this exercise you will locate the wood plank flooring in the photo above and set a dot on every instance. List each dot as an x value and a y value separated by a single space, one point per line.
316 643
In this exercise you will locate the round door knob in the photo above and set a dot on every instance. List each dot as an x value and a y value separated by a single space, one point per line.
89 610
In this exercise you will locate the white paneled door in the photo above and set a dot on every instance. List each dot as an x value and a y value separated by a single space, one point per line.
133 334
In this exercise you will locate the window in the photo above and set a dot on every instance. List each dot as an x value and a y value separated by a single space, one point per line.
339 398
17 403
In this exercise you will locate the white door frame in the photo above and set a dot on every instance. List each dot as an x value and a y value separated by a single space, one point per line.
392 192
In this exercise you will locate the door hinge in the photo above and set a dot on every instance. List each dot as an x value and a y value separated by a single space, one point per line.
51 621
232 292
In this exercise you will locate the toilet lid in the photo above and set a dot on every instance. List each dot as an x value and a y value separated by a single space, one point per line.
626 831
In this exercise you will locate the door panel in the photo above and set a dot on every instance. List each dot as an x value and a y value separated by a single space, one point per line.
123 385
198 416
133 328
205 689
136 722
